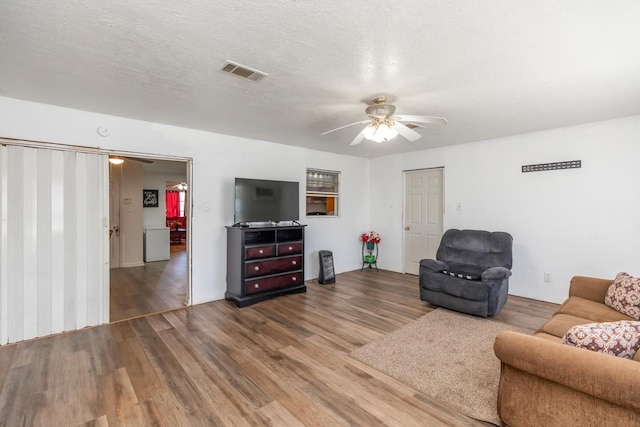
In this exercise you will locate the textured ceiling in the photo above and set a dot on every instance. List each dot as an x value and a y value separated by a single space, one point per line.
493 68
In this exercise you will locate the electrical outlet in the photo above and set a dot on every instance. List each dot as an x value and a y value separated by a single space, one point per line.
547 277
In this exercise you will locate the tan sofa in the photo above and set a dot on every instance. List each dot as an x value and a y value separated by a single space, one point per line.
546 383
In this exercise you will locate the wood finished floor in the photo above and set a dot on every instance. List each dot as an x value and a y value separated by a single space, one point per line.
155 287
282 362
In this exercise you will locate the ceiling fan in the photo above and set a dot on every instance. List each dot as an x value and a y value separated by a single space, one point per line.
383 125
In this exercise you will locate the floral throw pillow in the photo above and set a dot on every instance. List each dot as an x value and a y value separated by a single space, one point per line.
624 295
620 338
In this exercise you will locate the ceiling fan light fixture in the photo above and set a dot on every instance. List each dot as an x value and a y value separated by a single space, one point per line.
369 132
383 125
379 132
116 160
388 133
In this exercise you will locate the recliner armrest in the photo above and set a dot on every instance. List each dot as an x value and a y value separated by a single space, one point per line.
494 273
434 265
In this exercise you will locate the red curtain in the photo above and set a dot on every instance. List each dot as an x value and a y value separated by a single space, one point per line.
173 203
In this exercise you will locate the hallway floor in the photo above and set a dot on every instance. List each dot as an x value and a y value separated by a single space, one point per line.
155 287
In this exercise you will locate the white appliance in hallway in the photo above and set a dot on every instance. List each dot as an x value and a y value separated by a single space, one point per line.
156 244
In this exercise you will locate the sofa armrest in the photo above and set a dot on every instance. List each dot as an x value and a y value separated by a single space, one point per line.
434 265
495 273
589 288
603 376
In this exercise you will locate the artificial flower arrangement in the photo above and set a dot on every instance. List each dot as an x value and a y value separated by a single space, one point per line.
371 236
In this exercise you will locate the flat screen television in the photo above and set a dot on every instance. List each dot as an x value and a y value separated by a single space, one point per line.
260 200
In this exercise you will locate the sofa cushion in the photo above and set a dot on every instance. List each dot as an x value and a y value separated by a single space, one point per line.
559 324
620 338
591 311
624 295
548 337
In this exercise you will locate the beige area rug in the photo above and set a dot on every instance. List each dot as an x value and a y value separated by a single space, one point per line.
447 356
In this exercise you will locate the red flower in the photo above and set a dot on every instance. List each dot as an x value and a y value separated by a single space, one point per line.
371 236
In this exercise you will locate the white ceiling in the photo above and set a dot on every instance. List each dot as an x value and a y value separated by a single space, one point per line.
493 68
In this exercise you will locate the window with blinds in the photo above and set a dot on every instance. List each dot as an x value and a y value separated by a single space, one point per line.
322 192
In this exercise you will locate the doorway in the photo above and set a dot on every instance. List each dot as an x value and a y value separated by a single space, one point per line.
423 216
152 273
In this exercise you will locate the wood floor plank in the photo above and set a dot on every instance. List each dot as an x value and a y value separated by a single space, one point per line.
152 288
219 397
274 414
117 401
282 362
285 389
72 392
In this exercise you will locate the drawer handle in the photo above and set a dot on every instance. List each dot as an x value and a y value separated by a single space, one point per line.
256 286
256 268
294 262
293 279
260 251
290 248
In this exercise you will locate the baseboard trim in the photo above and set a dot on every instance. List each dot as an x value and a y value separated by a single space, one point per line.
133 264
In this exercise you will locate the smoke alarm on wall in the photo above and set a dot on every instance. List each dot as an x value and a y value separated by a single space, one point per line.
103 131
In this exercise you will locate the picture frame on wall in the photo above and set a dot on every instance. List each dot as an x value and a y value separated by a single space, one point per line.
149 198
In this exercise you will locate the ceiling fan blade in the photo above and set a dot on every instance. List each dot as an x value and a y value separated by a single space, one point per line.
403 130
359 137
345 126
422 119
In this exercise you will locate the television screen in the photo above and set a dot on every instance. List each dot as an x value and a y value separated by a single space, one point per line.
259 200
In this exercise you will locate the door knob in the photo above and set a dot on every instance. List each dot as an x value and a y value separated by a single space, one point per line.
407 228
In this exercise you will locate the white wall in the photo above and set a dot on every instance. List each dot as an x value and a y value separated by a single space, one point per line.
564 222
217 160
568 222
131 230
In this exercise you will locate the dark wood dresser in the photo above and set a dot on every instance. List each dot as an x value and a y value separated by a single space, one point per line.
264 262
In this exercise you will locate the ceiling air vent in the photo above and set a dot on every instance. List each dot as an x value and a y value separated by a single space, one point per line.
243 71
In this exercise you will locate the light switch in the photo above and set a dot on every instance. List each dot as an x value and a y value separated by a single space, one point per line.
207 207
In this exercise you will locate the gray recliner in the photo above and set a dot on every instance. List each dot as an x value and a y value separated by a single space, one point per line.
470 273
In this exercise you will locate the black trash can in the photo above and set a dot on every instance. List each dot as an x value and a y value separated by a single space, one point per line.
327 274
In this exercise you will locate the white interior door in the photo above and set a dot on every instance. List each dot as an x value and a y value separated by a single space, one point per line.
115 177
52 241
423 216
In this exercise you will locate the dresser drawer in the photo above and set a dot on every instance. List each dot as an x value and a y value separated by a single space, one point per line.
255 252
289 248
280 265
270 283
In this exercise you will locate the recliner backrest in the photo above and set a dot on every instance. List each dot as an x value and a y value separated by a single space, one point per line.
476 247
